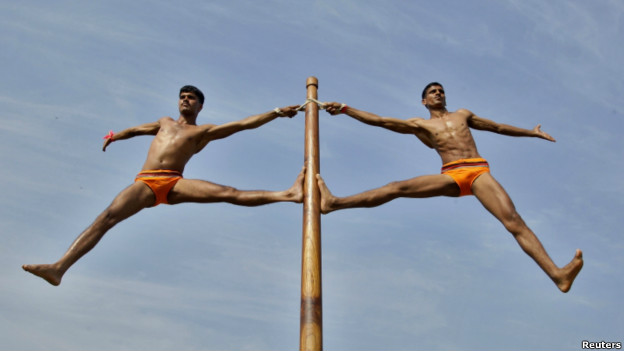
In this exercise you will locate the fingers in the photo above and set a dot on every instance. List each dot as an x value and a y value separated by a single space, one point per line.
543 134
287 111
290 111
333 108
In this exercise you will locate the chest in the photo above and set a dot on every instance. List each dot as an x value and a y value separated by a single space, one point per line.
447 126
178 133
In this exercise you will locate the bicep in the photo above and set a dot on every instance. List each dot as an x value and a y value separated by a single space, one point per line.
409 126
223 130
143 129
148 128
481 123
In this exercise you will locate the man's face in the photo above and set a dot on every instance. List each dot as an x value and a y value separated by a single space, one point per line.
434 97
189 104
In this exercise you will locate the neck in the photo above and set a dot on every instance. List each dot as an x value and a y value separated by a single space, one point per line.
438 112
190 119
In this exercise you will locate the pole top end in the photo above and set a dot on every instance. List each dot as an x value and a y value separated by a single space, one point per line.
312 81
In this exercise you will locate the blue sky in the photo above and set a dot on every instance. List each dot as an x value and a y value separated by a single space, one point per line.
434 274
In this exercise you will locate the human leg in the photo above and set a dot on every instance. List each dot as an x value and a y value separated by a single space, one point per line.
419 187
201 191
495 199
127 203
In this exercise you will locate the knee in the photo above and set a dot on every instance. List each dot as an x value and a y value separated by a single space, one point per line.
228 193
398 187
109 218
513 222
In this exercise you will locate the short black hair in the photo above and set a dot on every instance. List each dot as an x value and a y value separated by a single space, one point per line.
424 92
194 90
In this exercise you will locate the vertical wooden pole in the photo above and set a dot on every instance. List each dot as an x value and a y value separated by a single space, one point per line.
311 332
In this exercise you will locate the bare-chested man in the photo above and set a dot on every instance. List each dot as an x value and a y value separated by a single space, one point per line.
161 181
464 172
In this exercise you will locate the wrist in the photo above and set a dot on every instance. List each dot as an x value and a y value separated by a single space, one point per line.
278 111
343 108
110 136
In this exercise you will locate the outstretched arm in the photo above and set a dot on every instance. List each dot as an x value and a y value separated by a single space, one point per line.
480 123
143 129
214 132
409 126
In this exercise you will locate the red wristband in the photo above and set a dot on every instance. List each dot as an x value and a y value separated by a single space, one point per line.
343 109
109 135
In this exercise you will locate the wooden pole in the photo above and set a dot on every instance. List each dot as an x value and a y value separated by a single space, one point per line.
311 330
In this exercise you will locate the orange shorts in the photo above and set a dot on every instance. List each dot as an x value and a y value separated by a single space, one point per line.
160 181
465 171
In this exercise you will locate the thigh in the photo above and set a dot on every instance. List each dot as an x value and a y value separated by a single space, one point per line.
195 190
428 186
131 200
493 196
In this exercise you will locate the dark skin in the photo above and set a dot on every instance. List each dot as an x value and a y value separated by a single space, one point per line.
175 142
449 134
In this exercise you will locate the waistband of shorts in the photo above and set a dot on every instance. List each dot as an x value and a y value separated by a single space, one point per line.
465 162
160 173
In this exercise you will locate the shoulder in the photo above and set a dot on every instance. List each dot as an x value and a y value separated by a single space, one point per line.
205 128
420 125
463 112
162 122
165 119
417 121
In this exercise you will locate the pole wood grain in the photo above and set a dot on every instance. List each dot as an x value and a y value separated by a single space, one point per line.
311 331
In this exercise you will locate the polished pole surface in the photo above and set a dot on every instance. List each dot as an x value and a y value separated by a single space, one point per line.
311 332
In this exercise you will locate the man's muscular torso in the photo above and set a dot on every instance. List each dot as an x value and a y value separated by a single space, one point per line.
174 145
449 135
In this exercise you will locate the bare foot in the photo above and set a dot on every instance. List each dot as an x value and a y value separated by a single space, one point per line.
570 271
296 191
46 271
327 199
